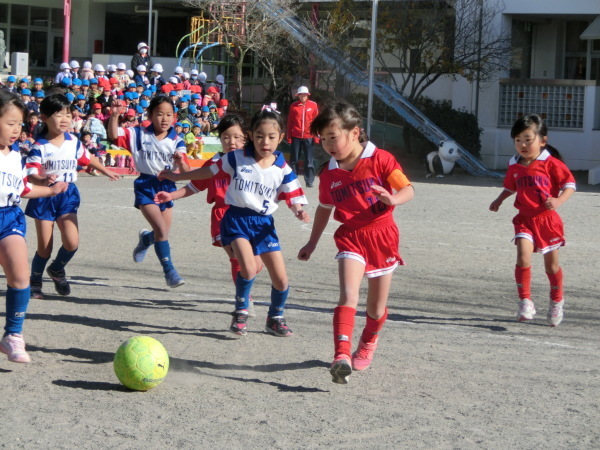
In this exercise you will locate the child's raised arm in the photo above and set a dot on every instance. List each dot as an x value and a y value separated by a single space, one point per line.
164 197
38 191
113 121
201 173
321 220
404 195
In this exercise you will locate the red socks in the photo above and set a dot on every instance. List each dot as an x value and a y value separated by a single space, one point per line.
556 285
373 327
235 268
523 279
343 326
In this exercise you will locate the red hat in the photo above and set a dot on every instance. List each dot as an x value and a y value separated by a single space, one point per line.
195 89
130 112
166 88
113 81
224 102
212 90
146 123
97 106
178 86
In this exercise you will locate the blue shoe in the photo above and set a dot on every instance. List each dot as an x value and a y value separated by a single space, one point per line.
139 252
173 279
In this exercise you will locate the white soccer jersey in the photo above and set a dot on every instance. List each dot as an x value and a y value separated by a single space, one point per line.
256 188
13 178
45 158
149 154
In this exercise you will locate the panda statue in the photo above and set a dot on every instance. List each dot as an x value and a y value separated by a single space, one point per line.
442 162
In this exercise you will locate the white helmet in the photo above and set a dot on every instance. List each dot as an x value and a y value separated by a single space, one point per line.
111 68
185 75
141 68
121 66
202 76
302 90
173 80
99 68
178 69
157 68
220 79
87 65
129 73
194 72
74 65
142 45
64 66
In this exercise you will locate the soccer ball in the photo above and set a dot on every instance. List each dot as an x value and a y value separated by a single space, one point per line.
141 362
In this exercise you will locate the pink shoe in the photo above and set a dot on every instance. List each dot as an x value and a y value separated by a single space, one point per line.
340 369
13 346
362 357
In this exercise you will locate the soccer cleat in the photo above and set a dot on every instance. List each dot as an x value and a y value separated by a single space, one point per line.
139 252
13 346
238 324
526 310
36 290
340 369
555 313
60 281
277 327
173 279
362 357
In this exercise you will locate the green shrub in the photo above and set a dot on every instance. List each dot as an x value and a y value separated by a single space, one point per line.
459 124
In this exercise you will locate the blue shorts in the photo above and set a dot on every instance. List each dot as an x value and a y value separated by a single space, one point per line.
12 221
51 208
146 187
256 228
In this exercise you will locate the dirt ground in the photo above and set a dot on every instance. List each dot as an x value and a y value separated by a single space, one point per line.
453 369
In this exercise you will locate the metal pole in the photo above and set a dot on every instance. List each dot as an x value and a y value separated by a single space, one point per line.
372 66
67 37
150 27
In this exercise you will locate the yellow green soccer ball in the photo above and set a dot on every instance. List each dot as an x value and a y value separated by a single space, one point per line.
141 362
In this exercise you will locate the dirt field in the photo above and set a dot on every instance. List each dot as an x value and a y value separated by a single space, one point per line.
453 370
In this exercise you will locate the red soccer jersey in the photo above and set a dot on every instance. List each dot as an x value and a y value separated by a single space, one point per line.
217 186
543 178
350 191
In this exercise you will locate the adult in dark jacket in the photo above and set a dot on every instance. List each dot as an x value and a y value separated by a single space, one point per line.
141 57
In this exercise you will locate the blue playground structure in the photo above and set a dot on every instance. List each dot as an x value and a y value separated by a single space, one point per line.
386 93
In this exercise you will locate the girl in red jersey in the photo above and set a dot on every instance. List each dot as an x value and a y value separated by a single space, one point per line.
542 183
363 184
232 134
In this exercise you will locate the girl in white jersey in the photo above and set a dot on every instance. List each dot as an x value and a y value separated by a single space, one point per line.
260 177
55 157
155 148
13 248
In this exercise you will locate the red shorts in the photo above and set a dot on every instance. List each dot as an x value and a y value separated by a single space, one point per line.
216 216
545 231
374 246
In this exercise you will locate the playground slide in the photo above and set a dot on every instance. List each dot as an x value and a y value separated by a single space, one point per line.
354 73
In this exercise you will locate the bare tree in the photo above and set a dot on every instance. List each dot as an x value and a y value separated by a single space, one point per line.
244 28
421 41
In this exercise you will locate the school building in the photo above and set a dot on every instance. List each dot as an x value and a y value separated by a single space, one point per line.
555 61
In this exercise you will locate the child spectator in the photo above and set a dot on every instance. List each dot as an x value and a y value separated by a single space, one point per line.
95 125
86 72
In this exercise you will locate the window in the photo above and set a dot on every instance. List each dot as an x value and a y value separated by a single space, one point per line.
19 15
18 40
37 48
